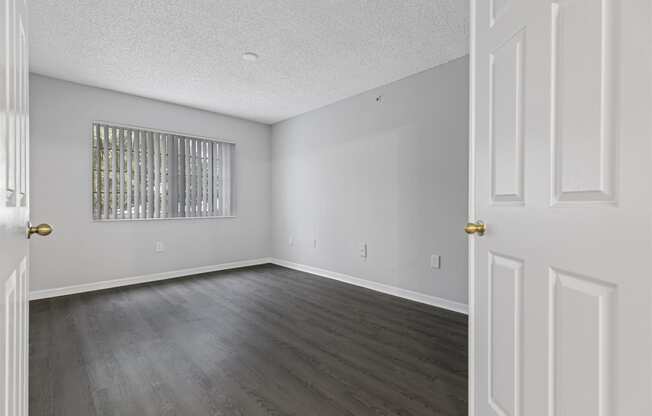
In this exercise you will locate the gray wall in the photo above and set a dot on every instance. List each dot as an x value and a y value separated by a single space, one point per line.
82 251
392 174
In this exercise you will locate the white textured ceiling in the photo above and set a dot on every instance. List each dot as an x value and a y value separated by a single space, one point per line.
312 52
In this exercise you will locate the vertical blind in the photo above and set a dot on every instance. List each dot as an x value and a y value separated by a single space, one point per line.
145 174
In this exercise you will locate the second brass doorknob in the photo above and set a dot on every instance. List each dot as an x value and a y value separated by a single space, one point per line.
477 227
41 229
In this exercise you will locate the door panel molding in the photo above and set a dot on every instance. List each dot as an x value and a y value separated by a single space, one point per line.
583 158
506 121
22 345
581 328
505 308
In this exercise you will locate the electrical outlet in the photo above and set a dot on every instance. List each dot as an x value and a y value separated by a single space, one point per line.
291 241
363 250
435 261
159 247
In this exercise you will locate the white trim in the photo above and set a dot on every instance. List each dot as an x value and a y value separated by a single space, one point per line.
378 287
107 284
473 210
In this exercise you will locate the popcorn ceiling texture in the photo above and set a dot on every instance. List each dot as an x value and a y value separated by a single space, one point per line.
312 52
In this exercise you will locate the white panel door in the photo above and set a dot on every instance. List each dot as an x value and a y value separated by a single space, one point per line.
14 207
561 282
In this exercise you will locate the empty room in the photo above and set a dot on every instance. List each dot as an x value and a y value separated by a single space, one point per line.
363 207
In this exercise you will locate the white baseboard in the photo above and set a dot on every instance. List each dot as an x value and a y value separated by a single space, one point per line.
378 287
107 284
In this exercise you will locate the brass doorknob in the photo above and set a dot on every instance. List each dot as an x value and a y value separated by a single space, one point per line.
477 227
41 229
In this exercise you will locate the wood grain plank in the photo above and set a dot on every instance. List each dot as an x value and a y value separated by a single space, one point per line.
258 341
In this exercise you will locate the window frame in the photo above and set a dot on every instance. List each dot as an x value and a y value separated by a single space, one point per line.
91 152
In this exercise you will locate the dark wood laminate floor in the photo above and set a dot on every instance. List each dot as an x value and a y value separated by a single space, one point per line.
263 340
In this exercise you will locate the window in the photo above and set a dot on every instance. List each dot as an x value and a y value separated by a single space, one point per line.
147 174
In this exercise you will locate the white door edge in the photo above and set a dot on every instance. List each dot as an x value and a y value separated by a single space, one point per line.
472 210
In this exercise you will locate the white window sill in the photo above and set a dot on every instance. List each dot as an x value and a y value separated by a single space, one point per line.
166 219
